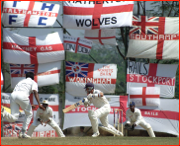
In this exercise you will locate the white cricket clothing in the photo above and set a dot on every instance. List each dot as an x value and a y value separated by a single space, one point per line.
136 118
45 116
26 86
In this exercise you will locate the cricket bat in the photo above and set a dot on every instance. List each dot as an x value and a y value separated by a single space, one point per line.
73 106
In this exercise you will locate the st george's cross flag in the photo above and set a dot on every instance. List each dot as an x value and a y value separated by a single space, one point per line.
97 14
103 76
102 36
145 96
154 38
29 14
20 49
2 81
77 45
141 74
45 74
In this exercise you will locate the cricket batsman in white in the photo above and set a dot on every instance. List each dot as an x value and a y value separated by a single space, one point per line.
134 118
99 101
20 98
45 116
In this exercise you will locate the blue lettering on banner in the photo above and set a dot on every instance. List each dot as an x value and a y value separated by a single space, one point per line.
41 19
15 3
49 7
11 18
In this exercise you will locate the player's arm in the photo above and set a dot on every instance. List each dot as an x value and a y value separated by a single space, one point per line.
138 116
38 117
128 120
87 102
96 94
50 116
37 99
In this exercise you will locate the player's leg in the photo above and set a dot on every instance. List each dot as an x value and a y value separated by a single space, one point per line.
148 127
55 126
32 127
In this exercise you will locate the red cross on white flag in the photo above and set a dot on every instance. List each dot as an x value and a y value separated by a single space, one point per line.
20 49
97 14
140 74
102 36
145 96
154 37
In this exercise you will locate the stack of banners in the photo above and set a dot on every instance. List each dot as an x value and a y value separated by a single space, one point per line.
2 81
102 36
97 14
77 45
103 76
164 118
13 129
20 49
45 74
141 74
29 14
154 38
80 114
145 96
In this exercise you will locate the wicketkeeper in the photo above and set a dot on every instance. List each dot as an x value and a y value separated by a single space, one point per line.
99 101
134 118
46 118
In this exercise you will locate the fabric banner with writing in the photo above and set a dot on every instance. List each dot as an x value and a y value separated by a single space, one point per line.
20 49
164 118
102 36
77 45
45 73
29 14
103 76
141 74
97 14
145 96
13 129
154 38
2 81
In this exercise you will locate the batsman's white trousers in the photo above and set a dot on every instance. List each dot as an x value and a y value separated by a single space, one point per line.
102 114
19 99
52 123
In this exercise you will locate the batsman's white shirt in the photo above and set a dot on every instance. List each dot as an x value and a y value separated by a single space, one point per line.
135 117
44 115
26 86
99 101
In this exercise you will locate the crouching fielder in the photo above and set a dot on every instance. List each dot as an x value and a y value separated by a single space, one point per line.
46 118
99 100
134 118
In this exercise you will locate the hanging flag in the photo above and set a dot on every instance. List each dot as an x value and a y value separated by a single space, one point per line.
154 38
103 76
145 96
97 14
29 14
77 45
140 74
102 36
20 49
45 74
2 81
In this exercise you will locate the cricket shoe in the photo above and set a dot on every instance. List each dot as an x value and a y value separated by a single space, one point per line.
26 136
95 134
20 134
120 134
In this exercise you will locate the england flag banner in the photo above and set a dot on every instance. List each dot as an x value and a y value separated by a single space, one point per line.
103 76
145 96
140 74
29 14
77 45
20 49
97 14
2 81
80 114
45 74
154 38
102 36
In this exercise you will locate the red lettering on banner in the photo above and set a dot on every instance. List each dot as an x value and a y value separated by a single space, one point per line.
105 71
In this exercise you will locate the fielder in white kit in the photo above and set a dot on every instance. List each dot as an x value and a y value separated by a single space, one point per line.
134 118
99 100
20 98
46 118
